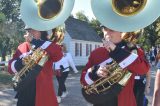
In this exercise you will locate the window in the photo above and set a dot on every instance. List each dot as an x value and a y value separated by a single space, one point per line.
90 48
87 49
78 49
96 46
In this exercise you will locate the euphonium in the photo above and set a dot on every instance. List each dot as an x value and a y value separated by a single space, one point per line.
106 88
37 58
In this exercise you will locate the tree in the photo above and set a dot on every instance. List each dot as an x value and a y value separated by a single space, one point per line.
80 15
158 31
150 37
9 38
11 9
2 17
11 26
95 24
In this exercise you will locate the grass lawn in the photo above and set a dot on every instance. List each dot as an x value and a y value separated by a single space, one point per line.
5 79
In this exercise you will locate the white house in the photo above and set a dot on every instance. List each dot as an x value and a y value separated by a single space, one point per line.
80 39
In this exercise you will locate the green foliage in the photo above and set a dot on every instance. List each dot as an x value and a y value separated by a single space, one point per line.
80 15
150 37
95 24
11 27
5 78
9 43
2 17
151 34
11 9
158 31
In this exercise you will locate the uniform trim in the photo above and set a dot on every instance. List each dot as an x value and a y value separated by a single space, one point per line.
88 79
46 44
129 60
25 54
137 77
109 60
13 67
119 54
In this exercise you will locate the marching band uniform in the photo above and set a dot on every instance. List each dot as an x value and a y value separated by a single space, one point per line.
126 59
141 81
40 92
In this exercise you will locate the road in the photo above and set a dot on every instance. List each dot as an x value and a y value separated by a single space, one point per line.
74 97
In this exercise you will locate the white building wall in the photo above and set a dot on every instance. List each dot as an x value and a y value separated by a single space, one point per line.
81 60
70 43
67 40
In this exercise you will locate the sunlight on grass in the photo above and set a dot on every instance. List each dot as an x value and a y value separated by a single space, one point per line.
5 77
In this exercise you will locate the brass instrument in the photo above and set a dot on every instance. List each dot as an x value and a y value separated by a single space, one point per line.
132 37
108 87
44 15
48 9
126 15
117 75
38 57
128 7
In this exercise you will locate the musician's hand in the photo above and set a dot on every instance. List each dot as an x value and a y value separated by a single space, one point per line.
102 72
110 46
26 60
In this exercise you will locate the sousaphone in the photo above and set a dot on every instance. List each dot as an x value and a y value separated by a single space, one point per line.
45 15
126 15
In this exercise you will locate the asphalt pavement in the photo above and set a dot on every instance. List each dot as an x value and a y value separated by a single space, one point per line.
74 98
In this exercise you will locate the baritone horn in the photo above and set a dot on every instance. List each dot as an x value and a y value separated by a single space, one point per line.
45 15
126 15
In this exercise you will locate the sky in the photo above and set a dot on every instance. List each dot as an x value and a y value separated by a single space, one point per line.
83 5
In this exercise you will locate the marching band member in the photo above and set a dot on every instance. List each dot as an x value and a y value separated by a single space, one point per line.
142 83
37 91
117 49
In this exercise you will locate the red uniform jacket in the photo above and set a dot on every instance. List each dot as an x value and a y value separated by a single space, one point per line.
45 94
133 62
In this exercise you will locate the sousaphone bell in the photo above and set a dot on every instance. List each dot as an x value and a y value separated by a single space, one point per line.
126 15
45 15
